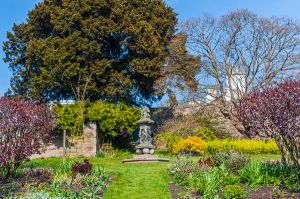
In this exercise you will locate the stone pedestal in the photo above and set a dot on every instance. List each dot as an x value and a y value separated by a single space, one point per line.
145 158
90 142
145 149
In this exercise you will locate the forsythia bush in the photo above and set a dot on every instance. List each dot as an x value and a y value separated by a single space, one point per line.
243 145
190 144
165 141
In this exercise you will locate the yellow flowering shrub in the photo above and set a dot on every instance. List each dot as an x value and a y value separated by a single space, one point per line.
243 145
191 144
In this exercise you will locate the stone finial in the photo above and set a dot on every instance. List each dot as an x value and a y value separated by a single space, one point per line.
145 113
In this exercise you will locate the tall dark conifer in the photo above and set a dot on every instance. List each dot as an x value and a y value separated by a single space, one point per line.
90 49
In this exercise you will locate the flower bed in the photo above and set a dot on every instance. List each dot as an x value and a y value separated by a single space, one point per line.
68 180
232 175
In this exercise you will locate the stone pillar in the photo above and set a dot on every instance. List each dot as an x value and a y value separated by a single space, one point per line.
90 140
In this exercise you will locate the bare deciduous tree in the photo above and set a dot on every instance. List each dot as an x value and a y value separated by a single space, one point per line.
241 52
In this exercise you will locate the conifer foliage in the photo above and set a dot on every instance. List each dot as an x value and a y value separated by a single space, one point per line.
91 49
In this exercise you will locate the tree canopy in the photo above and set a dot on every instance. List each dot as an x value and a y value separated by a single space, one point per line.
112 50
241 52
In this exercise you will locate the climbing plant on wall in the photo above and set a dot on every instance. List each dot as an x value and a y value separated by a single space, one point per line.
111 119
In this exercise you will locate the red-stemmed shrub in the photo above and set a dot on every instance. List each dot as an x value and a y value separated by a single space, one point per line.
23 127
274 113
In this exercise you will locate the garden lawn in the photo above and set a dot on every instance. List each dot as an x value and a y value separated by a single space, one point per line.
130 181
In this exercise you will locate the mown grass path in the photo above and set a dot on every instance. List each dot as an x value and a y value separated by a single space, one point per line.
135 181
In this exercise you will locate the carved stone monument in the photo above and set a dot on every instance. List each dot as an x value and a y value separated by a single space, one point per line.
145 148
145 134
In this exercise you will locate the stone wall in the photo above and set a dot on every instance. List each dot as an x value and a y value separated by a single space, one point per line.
52 148
89 145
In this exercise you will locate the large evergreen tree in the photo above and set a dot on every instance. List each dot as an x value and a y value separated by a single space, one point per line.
90 49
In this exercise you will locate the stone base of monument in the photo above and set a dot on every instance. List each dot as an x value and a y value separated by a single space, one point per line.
145 148
145 158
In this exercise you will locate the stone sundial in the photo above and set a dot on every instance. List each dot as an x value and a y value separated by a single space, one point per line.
145 148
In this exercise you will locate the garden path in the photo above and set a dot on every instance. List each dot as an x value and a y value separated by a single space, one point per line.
136 181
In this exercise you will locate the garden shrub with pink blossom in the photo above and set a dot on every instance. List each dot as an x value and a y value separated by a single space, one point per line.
274 113
23 127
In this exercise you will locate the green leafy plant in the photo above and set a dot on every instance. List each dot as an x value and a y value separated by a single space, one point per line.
206 183
205 133
258 173
233 160
233 192
100 155
209 183
226 177
166 140
113 119
89 179
64 167
41 195
181 168
251 174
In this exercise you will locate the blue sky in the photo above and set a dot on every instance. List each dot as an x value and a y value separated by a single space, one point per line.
15 11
